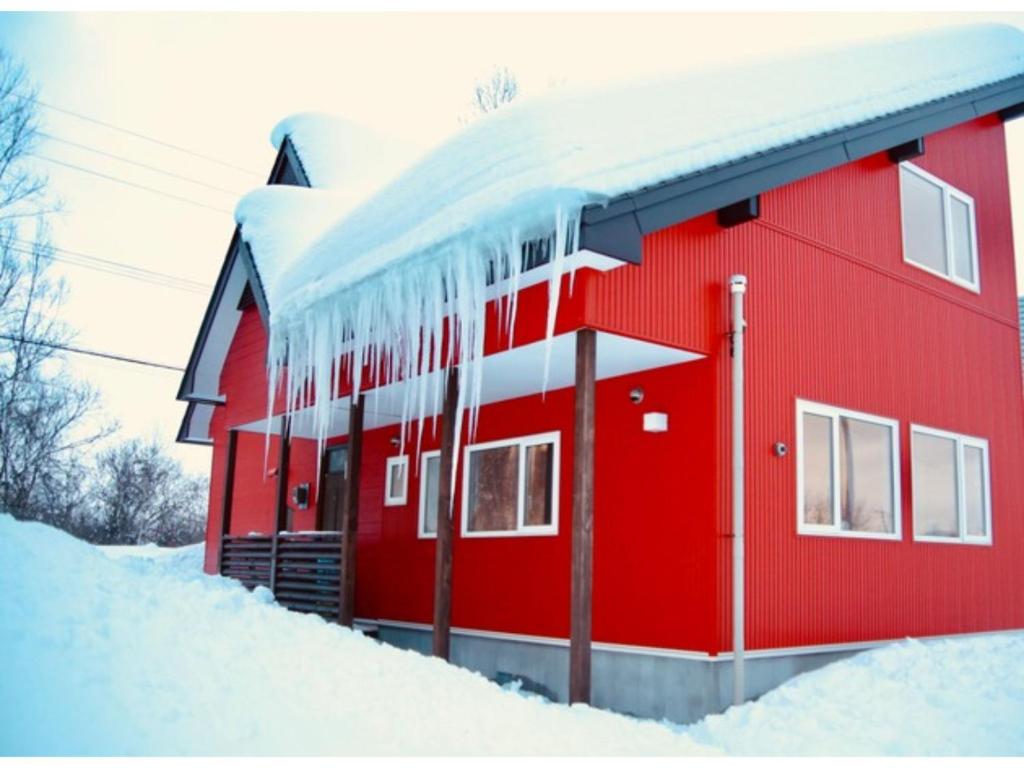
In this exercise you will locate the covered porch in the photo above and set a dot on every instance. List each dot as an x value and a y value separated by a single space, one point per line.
314 570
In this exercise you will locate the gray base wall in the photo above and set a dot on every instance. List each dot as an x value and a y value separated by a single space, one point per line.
645 685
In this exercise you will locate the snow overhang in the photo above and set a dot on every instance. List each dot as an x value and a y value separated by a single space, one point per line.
506 375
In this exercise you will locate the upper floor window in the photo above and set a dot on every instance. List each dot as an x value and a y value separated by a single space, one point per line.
510 487
950 486
939 232
847 473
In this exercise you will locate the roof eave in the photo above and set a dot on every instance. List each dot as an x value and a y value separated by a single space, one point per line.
617 228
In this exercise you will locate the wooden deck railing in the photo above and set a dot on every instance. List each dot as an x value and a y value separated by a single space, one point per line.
303 570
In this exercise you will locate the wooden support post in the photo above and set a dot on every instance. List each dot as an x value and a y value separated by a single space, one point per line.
443 553
350 514
582 518
228 496
281 510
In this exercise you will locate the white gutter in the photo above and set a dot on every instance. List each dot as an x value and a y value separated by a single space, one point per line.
737 290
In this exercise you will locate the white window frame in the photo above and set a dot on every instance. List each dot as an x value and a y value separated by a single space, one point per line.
961 441
521 529
948 192
391 499
835 529
421 519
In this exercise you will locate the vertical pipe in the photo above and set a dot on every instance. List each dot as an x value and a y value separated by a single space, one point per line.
349 523
582 518
737 289
441 640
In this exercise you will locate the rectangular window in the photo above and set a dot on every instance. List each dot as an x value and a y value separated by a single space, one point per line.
396 481
847 473
939 232
430 475
510 487
950 487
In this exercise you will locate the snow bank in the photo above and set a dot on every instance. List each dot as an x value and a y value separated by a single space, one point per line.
383 270
962 696
142 655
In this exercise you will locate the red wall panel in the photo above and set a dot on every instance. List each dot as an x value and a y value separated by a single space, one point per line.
837 316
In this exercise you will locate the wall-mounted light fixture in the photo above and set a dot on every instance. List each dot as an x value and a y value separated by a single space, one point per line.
636 395
395 441
655 422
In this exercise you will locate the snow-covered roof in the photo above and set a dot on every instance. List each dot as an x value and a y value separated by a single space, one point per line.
337 153
377 280
508 172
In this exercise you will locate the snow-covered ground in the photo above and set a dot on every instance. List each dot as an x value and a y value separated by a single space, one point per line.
135 651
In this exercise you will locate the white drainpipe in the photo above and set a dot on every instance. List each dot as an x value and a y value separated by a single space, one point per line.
737 289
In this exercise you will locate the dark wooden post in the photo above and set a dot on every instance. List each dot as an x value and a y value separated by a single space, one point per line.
582 518
443 552
281 513
228 497
350 514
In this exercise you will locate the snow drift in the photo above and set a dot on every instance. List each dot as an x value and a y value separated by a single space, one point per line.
137 652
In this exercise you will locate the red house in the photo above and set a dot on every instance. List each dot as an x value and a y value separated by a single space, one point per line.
785 348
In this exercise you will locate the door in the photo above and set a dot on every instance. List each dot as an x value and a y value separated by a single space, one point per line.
333 485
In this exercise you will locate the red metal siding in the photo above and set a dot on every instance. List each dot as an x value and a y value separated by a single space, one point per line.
837 316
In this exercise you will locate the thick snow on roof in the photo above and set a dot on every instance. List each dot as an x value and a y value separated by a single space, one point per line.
279 222
510 170
338 153
381 283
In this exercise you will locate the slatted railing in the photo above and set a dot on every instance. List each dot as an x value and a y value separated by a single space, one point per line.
248 559
307 570
303 570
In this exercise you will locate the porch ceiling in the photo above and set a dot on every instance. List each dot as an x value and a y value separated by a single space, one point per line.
510 374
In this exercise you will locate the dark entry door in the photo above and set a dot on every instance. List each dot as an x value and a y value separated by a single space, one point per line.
332 495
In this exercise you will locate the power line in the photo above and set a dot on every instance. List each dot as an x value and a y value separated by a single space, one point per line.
28 248
90 352
164 283
119 180
148 167
138 135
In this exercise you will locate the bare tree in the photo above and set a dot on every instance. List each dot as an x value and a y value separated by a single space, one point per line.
496 91
143 495
43 408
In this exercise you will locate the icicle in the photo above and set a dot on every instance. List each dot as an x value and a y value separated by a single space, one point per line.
408 325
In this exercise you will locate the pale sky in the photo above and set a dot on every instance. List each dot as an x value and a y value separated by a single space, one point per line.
217 83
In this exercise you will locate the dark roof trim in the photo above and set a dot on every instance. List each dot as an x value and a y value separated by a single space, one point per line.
288 167
258 294
188 380
183 429
617 228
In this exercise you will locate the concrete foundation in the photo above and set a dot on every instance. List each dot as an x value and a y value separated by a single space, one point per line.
633 682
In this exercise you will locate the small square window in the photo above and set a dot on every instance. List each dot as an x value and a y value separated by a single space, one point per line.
396 481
